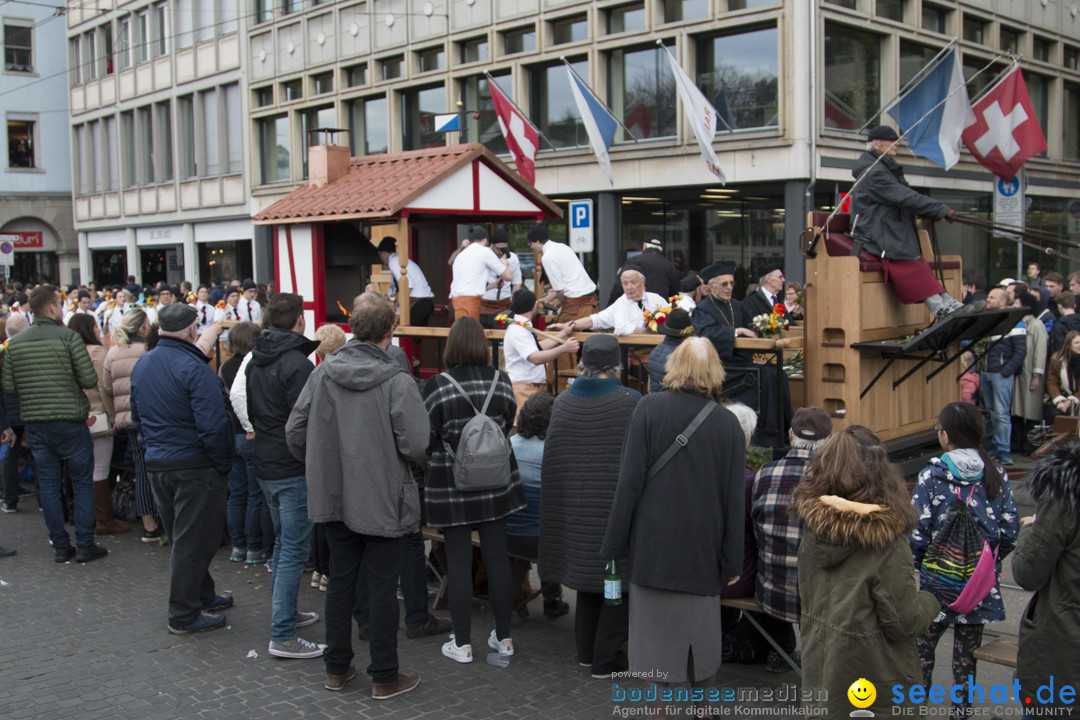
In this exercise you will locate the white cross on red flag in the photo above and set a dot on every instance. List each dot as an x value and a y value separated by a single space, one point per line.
1006 131
522 138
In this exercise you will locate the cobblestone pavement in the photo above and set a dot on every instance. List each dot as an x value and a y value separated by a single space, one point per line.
90 641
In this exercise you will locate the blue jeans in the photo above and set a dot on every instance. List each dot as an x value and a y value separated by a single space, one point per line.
287 499
413 578
997 394
245 498
55 443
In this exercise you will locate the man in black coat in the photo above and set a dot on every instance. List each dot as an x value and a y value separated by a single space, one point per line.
770 292
661 277
1068 319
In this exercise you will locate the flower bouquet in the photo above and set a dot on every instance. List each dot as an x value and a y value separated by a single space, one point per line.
655 318
772 325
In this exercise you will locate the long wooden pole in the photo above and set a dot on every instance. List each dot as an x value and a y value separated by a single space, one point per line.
403 263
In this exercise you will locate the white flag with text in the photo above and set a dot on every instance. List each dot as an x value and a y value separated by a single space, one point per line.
702 116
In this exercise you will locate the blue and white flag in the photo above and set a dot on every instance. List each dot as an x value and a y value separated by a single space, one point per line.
447 123
599 123
935 111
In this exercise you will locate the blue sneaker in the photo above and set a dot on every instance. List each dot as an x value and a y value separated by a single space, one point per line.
221 602
203 623
1004 459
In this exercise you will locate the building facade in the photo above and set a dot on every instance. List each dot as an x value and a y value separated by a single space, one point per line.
792 80
159 142
35 186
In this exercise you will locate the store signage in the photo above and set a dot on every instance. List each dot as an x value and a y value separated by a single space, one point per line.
28 240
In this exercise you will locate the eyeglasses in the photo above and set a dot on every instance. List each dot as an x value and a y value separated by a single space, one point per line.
938 428
730 283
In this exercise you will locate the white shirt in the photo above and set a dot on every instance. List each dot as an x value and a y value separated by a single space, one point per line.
518 344
471 269
68 314
773 299
207 313
227 313
238 395
418 284
565 272
249 310
114 315
625 315
507 287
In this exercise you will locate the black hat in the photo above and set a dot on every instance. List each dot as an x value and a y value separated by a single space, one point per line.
500 237
522 301
249 284
769 267
601 351
882 132
83 294
654 241
388 245
811 423
677 324
720 267
229 290
689 284
176 317
476 232
538 233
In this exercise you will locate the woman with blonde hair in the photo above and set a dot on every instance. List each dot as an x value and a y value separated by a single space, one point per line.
678 518
1063 378
129 344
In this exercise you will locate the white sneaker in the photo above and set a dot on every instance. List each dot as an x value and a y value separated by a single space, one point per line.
505 647
298 648
461 654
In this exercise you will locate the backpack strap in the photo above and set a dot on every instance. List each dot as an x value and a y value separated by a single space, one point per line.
680 440
464 394
491 393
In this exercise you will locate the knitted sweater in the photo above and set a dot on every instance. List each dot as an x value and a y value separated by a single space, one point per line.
580 472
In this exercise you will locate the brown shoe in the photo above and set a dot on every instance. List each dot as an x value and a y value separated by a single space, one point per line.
404 683
337 682
434 626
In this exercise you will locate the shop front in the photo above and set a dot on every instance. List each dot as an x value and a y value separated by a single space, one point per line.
36 259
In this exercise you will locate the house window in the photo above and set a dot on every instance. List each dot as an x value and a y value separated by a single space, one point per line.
418 111
1010 40
264 96
97 168
82 157
974 30
356 75
1041 49
145 143
520 40
74 62
740 75
641 89
107 41
1038 87
978 81
476 93
367 125
145 41
935 19
571 29
849 4
431 60
891 10
109 153
264 11
676 10
625 18
913 58
323 83
21 143
18 46
391 67
234 144
474 50
123 42
852 76
127 144
90 62
744 4
291 6
164 160
292 90
161 29
211 154
185 120
314 119
552 107
1070 61
1071 145
274 149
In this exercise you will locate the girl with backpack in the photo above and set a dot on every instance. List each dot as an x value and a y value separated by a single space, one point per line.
964 473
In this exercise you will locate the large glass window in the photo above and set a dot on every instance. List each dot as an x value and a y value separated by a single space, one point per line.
418 111
676 10
974 30
142 24
520 40
1071 145
625 18
91 60
891 10
97 168
223 262
1038 87
476 95
642 92
264 11
18 47
185 23
161 23
431 60
738 73
124 41
392 67
367 125
934 18
185 111
852 76
473 50
109 153
314 119
274 148
128 148
211 128
234 143
145 145
20 136
74 62
571 29
913 58
978 75
164 160
552 107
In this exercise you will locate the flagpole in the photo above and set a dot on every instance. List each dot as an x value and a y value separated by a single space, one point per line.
910 83
998 78
520 111
597 99
718 115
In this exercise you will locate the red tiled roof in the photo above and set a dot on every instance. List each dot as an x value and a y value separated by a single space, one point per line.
379 186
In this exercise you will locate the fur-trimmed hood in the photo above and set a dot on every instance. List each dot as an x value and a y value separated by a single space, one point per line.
1058 476
848 526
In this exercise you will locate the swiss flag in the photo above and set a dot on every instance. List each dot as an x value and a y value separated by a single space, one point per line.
522 137
1005 132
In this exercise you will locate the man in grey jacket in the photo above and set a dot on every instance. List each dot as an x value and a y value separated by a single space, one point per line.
360 486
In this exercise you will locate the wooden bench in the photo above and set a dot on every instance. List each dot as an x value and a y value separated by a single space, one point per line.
1001 651
440 573
749 606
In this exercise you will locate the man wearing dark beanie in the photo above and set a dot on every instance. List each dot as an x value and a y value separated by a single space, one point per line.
525 354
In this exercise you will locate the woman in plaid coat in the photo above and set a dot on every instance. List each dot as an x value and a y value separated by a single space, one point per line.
457 513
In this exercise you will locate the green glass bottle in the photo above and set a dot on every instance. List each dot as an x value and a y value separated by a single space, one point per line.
612 584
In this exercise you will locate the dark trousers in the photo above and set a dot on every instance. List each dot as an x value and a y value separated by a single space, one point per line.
56 444
9 471
320 550
528 546
144 494
600 632
967 638
382 562
779 630
192 506
460 583
413 581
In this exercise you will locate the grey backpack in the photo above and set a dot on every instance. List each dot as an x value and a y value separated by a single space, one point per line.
482 461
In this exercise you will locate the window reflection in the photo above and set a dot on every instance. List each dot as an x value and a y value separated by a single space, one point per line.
738 73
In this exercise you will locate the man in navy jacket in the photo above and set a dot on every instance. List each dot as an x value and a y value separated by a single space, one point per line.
1002 362
178 404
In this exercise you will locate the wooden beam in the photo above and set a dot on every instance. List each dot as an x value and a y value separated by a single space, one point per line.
403 262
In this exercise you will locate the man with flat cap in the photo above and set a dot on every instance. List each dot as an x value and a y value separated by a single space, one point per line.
421 298
661 277
525 353
770 291
883 210
472 265
497 297
722 319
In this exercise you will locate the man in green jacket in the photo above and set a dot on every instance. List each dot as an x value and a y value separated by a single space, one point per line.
48 367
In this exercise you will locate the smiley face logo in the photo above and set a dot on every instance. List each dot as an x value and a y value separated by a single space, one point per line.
862 693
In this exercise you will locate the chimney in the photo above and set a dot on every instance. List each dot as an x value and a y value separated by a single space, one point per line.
326 163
